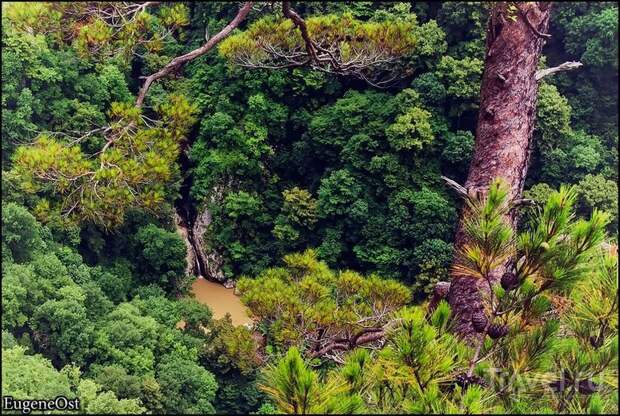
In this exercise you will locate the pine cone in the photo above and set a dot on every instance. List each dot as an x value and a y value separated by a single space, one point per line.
587 387
563 383
465 381
479 321
510 281
596 342
478 381
496 331
558 386
461 379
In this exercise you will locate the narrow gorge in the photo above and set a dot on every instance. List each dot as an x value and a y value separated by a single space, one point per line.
192 224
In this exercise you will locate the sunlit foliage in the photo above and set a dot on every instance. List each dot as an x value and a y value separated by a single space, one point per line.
133 168
319 310
341 44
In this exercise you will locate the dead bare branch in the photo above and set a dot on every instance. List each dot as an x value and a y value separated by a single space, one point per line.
566 66
454 185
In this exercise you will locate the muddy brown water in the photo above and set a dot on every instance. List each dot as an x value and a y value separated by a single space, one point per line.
221 301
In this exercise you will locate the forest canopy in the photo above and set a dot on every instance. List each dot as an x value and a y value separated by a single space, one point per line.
315 156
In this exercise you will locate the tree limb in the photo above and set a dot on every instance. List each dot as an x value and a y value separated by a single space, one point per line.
301 24
330 347
364 336
179 61
456 186
531 26
367 60
566 66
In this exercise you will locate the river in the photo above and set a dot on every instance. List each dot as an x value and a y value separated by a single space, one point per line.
220 300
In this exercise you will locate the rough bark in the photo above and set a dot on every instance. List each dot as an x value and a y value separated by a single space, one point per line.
440 292
368 337
505 124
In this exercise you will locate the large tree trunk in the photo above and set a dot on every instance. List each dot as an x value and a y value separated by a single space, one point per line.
505 123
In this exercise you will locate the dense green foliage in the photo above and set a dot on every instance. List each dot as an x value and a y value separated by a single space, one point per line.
130 352
325 204
370 159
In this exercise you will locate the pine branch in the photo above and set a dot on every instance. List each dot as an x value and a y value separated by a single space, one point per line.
301 24
183 59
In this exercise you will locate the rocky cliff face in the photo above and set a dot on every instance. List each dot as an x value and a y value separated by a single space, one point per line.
202 260
190 257
209 260
192 220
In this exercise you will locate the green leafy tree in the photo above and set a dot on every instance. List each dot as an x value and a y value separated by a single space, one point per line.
596 192
587 33
462 80
115 282
115 379
190 388
232 354
161 257
195 315
20 234
411 130
127 338
31 376
230 348
458 148
63 326
96 402
464 25
298 215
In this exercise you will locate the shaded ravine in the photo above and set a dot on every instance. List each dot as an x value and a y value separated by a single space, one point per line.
192 224
185 217
207 288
